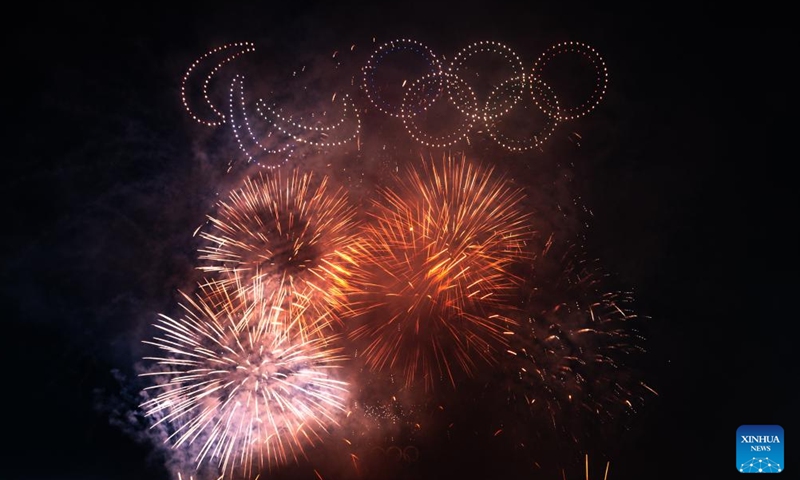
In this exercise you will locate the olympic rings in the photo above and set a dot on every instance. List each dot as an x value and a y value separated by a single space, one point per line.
504 98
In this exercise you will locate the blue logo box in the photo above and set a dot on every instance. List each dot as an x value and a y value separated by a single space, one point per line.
759 449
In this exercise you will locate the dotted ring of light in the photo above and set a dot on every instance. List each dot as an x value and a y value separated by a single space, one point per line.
413 129
516 145
494 48
377 57
601 82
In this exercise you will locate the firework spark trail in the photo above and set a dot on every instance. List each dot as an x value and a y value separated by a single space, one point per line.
239 384
285 230
434 272
586 466
571 354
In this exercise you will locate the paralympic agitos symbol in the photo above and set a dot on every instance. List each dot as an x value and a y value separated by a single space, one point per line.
261 127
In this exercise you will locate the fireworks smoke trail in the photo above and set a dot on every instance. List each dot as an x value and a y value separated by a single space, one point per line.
434 273
290 231
571 356
238 383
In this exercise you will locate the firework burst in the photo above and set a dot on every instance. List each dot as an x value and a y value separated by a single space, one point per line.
239 384
573 348
291 232
434 272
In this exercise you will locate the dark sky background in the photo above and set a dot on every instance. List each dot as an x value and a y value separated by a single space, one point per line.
686 165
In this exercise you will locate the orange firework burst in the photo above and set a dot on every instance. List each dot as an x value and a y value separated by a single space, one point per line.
435 270
239 385
294 232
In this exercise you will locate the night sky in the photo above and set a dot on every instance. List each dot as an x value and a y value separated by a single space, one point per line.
685 165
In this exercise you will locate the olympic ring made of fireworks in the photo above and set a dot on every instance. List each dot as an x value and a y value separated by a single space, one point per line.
271 132
373 91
